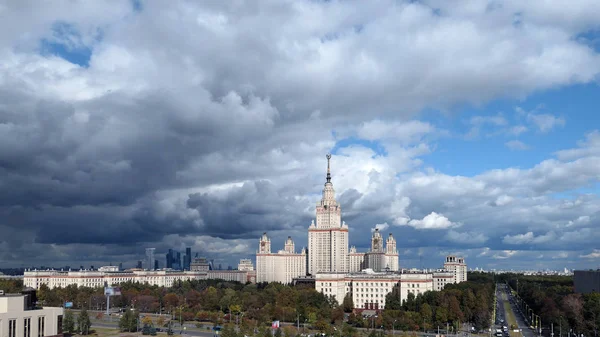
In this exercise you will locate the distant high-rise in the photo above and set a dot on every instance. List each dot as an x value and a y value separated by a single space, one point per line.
150 258
173 260
139 264
156 265
187 259
121 266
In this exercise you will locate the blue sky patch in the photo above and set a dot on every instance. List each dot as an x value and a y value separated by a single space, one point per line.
66 42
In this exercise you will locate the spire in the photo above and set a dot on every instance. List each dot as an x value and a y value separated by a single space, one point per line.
328 169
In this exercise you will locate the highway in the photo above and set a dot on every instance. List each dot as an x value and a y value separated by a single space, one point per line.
508 311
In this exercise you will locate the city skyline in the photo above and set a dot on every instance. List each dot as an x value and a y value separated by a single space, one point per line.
463 129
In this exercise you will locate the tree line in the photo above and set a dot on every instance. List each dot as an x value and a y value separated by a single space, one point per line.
553 298
254 306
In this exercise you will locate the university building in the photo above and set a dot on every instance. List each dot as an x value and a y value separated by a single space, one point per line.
282 266
337 271
111 274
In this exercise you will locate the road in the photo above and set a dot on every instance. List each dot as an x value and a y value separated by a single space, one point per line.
508 311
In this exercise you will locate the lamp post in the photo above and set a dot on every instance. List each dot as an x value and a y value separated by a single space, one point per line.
394 328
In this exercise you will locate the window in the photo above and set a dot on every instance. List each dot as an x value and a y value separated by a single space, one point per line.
41 326
12 328
27 327
59 322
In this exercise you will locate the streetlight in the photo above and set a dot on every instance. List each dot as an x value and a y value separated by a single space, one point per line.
394 327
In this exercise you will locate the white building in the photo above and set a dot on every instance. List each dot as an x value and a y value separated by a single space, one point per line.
369 288
19 318
162 278
328 237
282 266
379 258
456 265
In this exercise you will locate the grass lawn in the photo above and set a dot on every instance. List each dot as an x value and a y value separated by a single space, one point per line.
510 319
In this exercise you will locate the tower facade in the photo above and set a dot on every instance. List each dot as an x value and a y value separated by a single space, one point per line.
328 237
391 254
457 266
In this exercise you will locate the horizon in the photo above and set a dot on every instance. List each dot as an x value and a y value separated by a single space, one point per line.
462 129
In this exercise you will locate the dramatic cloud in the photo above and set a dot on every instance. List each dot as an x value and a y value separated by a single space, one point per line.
203 125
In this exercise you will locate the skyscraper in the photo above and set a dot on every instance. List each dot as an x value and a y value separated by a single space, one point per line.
328 237
150 258
187 259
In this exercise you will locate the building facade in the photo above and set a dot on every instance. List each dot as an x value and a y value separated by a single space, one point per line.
456 265
150 262
328 237
369 288
162 278
19 317
378 258
586 281
283 266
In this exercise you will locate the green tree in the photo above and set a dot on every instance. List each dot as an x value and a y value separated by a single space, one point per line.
348 304
278 333
69 322
392 300
83 322
129 321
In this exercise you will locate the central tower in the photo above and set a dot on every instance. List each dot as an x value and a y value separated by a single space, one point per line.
328 237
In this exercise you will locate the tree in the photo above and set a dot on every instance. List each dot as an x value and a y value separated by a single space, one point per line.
160 321
69 322
228 331
129 321
392 300
278 333
83 322
426 315
348 304
147 320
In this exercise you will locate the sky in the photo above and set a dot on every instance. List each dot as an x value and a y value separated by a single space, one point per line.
464 127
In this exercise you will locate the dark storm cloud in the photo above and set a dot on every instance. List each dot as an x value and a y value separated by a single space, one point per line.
247 211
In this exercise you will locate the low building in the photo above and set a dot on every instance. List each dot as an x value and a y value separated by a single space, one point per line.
586 281
19 316
369 288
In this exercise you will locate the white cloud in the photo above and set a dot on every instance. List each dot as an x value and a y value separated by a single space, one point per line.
545 122
505 254
516 145
528 237
382 227
589 147
503 200
595 254
433 221
517 130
